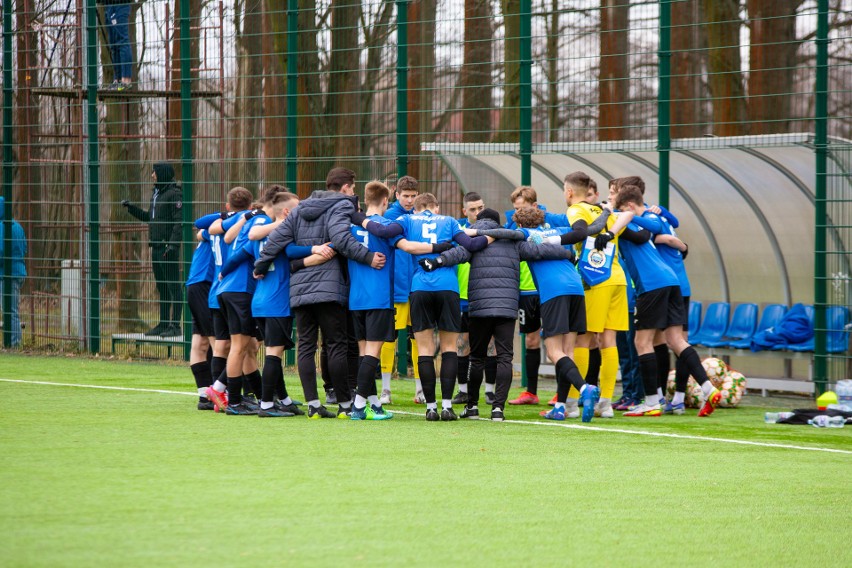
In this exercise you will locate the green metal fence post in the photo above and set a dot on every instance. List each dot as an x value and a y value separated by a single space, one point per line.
820 220
8 171
402 142
291 173
186 156
93 174
663 103
525 124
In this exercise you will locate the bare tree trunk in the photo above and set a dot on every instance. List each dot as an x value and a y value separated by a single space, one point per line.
772 64
274 93
421 80
552 72
686 69
374 75
510 112
247 107
724 67
173 106
475 77
613 85
343 104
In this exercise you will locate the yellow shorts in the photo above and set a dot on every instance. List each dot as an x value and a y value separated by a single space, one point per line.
606 308
402 316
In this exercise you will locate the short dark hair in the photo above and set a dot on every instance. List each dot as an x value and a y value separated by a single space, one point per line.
629 194
636 181
471 196
406 183
283 196
338 177
489 213
525 191
239 198
425 201
529 217
375 192
578 181
270 192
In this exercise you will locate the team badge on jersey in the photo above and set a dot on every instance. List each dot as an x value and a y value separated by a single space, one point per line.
595 266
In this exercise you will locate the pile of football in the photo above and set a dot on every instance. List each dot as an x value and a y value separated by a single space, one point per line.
731 383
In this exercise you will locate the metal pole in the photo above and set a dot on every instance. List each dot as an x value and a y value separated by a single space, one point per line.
291 177
93 182
186 156
8 172
820 221
402 142
525 124
664 135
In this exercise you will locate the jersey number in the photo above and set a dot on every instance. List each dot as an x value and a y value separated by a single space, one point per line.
364 237
216 241
429 232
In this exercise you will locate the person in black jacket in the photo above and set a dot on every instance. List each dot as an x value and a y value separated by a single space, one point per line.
164 235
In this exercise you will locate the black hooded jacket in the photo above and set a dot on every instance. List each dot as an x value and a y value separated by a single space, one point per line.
164 214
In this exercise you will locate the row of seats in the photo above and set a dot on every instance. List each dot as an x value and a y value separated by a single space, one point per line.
720 329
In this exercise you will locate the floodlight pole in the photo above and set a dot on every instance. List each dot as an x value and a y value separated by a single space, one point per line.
820 220
402 141
8 172
525 140
664 134
92 175
186 157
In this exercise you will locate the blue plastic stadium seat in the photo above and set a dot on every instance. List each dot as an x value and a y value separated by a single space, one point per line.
742 326
772 314
837 336
805 345
694 317
714 325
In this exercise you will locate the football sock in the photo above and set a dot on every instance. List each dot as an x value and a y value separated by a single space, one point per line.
431 406
678 398
490 371
567 375
415 356
235 390
374 400
314 403
201 374
202 393
360 402
449 370
707 388
489 387
269 378
648 366
217 366
386 380
464 368
366 376
256 383
681 374
287 400
418 384
219 386
266 405
692 362
593 373
446 403
427 377
532 364
663 362
652 400
246 386
581 359
388 351
609 371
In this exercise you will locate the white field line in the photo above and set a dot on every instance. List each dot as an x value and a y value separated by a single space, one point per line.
522 422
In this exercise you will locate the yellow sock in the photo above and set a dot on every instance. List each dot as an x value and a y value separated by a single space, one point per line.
388 352
581 359
609 370
414 356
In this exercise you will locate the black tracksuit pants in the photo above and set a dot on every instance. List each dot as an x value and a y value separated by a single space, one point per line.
330 318
481 332
166 267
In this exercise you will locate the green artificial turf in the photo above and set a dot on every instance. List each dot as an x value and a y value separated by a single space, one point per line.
113 477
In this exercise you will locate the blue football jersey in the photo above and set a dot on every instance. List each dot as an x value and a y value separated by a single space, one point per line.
371 289
201 269
241 280
646 267
403 263
554 278
272 295
426 227
674 259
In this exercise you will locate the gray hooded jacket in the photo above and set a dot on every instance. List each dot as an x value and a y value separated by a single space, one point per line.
322 218
492 289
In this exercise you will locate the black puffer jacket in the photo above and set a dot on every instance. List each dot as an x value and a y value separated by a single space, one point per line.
322 218
164 214
492 289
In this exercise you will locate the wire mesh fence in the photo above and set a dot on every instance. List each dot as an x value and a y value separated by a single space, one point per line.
722 100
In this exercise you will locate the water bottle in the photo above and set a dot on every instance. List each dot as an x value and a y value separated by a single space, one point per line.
844 392
823 421
773 417
842 407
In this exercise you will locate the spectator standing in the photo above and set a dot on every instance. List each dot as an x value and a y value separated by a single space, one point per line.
117 15
19 271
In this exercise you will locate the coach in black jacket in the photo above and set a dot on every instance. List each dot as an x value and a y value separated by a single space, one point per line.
319 294
164 236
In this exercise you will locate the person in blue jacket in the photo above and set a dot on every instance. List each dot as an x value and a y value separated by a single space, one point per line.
19 271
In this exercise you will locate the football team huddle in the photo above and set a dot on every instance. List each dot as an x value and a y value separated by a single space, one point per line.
352 279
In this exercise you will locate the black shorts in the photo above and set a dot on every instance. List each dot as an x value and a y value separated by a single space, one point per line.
659 309
435 310
529 313
465 322
563 314
236 307
374 325
686 312
202 319
220 325
276 332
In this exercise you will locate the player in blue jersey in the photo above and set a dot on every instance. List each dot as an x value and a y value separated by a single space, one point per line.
434 297
659 306
403 266
197 291
238 201
563 308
